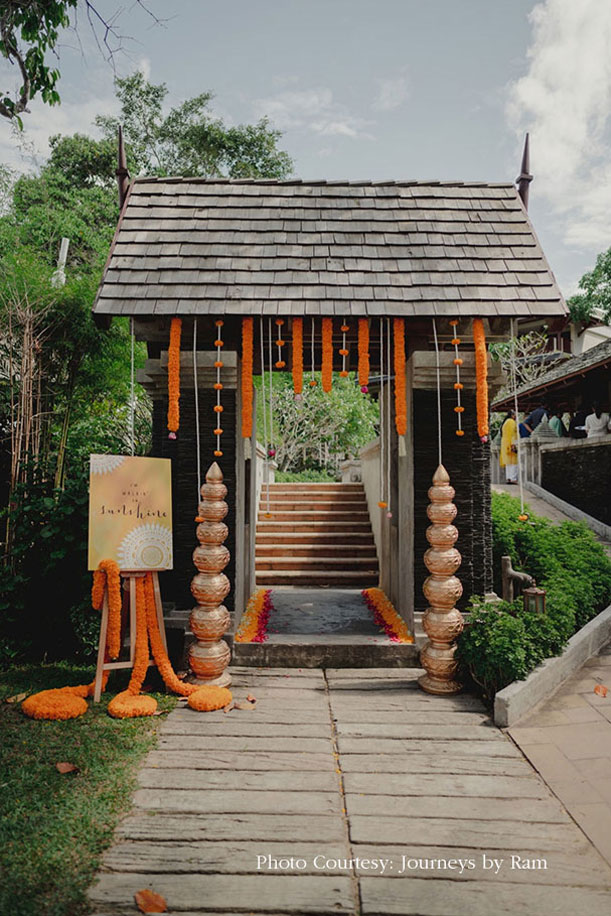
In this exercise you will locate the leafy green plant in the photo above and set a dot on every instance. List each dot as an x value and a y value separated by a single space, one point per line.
504 643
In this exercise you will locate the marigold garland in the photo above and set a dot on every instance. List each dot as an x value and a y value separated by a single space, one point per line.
364 354
174 377
209 697
327 354
247 385
107 576
218 386
253 626
399 361
385 615
297 353
481 378
157 647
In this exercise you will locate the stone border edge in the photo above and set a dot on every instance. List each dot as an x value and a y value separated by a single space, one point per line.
519 697
598 527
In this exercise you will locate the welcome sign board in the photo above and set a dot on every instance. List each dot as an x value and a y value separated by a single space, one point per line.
130 512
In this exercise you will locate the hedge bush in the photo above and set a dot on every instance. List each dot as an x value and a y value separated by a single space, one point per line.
503 642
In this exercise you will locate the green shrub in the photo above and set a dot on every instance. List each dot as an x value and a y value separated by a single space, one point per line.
315 475
504 643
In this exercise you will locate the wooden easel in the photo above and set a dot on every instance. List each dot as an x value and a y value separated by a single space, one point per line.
103 666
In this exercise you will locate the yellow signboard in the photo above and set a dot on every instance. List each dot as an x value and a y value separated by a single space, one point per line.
130 512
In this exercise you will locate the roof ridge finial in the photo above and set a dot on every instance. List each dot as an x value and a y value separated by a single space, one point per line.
524 178
122 172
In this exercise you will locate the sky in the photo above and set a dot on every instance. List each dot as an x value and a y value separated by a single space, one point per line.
378 89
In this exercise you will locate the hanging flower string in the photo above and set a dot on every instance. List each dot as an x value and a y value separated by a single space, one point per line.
458 386
297 354
344 350
280 362
218 386
255 620
327 354
400 393
481 378
385 616
364 354
247 384
174 377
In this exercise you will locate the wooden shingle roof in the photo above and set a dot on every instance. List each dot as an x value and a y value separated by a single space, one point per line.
198 246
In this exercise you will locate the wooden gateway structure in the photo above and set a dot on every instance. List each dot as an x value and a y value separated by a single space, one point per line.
213 249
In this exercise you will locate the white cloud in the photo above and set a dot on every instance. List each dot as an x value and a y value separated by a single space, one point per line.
392 93
311 109
28 149
564 99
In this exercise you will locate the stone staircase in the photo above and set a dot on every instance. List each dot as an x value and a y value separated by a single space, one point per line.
315 535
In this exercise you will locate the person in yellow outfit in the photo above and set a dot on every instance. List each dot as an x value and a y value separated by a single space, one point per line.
508 457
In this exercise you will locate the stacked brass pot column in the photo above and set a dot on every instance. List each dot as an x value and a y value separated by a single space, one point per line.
210 620
442 621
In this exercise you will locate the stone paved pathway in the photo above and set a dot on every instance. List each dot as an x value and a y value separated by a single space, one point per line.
567 738
347 765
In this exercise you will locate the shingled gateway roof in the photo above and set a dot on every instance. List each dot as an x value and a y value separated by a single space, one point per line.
197 246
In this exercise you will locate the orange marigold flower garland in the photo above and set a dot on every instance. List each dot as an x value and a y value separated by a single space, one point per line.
174 377
107 576
247 386
327 354
399 360
128 703
209 697
254 622
158 649
344 350
458 386
481 378
297 353
364 354
385 615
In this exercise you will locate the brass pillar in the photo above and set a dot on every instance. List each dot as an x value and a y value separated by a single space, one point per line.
210 620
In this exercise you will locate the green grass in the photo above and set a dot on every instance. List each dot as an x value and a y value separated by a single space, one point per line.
53 827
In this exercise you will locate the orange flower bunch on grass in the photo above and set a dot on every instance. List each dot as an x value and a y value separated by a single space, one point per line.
385 615
297 353
253 625
327 354
481 378
247 388
399 360
174 377
364 355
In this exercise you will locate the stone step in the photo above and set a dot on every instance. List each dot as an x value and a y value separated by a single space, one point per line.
274 548
271 524
315 516
315 539
324 564
299 505
326 653
318 577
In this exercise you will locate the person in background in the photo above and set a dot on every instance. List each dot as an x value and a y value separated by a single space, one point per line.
577 426
533 419
556 423
597 423
508 456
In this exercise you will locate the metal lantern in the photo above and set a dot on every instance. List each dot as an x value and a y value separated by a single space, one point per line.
534 599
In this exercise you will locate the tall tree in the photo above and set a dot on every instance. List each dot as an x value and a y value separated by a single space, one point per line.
594 300
189 140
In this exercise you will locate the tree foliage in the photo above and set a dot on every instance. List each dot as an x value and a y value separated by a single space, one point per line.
594 300
320 429
189 140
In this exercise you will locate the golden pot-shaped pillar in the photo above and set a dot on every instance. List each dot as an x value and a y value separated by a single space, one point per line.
210 620
442 621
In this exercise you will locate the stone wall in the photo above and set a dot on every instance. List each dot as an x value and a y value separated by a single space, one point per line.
181 451
580 475
467 461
